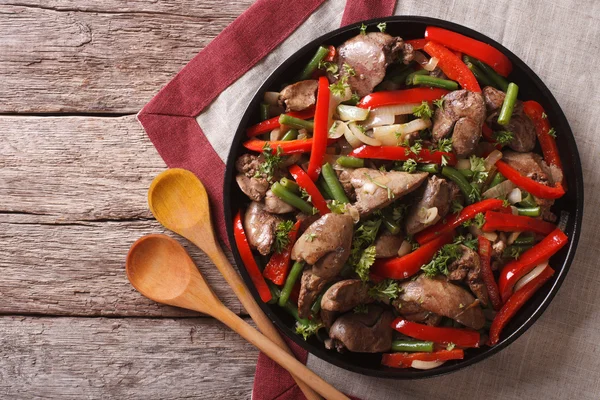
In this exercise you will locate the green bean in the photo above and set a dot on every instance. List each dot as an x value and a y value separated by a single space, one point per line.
409 77
432 81
460 180
290 185
412 346
509 104
431 168
524 239
264 111
292 199
292 277
324 188
499 81
498 179
483 79
350 162
529 211
294 122
293 311
275 292
313 64
529 201
290 135
466 172
335 187
389 223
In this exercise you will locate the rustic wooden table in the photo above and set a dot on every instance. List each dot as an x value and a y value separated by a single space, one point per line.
75 168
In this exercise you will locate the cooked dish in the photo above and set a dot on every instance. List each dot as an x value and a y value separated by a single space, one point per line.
397 204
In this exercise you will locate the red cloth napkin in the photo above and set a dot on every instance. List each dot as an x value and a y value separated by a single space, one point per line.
170 118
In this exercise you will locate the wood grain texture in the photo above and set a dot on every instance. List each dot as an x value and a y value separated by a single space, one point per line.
78 269
126 359
100 57
67 169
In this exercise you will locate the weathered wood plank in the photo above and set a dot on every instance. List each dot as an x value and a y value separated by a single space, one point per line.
78 269
76 168
109 56
100 358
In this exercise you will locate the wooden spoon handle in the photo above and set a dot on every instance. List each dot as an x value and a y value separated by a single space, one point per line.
215 253
277 354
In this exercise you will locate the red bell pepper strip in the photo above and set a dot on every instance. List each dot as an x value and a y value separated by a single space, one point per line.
279 264
482 51
404 360
515 302
331 56
455 220
406 96
249 262
320 131
304 181
535 188
287 147
453 66
399 153
437 334
495 221
536 113
485 255
270 124
417 44
408 265
542 251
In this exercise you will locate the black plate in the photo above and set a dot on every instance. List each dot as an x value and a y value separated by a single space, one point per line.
570 207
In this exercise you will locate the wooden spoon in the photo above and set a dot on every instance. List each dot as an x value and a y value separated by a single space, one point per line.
179 202
160 269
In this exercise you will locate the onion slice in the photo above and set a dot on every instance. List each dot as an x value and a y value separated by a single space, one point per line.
337 130
378 118
427 216
351 113
399 109
393 135
500 190
531 275
515 196
431 64
361 136
492 159
405 248
418 364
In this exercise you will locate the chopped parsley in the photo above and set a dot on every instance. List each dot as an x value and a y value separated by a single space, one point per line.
423 111
444 160
480 174
544 115
468 241
514 251
336 207
310 237
415 148
456 207
330 67
304 194
363 29
503 137
272 161
442 260
439 103
282 235
506 203
475 194
409 166
361 309
450 346
339 88
399 212
381 26
478 221
366 260
308 328
552 132
445 145
349 70
385 290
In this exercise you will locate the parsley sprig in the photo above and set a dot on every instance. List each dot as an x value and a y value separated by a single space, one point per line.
282 235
